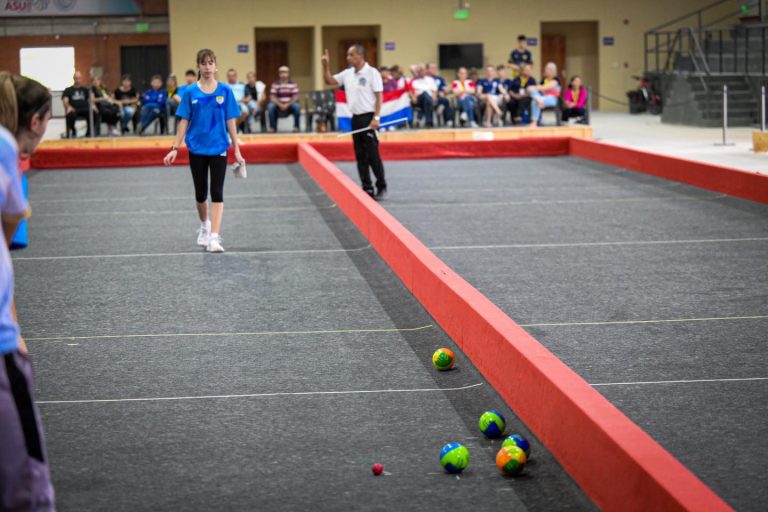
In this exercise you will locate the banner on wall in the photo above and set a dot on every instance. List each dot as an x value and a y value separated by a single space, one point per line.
43 8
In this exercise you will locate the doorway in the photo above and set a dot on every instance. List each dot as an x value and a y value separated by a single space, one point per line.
338 39
573 47
285 46
270 55
143 62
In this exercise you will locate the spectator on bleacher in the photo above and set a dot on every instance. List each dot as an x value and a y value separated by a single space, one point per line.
256 89
127 97
464 92
77 105
153 104
474 75
442 94
190 77
172 88
575 100
109 111
284 100
424 93
505 85
520 100
546 95
399 77
520 55
389 83
240 92
488 92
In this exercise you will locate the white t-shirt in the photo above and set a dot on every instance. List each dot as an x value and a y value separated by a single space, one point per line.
239 89
361 88
422 85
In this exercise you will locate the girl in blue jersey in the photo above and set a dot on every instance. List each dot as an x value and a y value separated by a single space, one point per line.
25 483
208 113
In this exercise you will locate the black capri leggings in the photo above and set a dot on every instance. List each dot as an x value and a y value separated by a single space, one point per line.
200 165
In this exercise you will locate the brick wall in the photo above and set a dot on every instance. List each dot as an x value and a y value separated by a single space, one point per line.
90 51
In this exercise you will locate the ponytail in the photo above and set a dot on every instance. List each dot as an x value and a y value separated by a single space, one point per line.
9 109
20 99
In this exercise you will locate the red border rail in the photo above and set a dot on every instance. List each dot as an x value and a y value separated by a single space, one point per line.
625 469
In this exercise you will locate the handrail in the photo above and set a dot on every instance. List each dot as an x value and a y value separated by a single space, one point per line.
689 15
700 52
698 13
689 42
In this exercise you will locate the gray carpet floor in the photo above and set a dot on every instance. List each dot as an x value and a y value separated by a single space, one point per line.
572 242
268 378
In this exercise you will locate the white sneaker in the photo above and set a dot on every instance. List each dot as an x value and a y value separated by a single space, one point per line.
449 124
473 124
463 116
214 244
203 233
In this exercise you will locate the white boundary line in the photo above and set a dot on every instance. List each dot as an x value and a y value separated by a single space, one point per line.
657 321
598 244
225 334
692 381
262 395
196 253
184 211
433 248
536 202
165 198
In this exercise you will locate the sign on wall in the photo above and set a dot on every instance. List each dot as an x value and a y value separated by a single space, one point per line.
389 46
26 8
533 41
609 41
242 48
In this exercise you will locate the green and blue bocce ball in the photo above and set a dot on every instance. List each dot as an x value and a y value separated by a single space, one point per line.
454 457
520 442
492 424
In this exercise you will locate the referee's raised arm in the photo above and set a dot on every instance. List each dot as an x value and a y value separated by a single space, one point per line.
327 76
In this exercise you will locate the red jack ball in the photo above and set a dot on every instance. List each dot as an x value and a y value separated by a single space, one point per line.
377 469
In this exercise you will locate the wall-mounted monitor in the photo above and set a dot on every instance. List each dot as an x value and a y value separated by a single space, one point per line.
454 56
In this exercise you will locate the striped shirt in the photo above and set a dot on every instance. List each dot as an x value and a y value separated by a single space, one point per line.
284 92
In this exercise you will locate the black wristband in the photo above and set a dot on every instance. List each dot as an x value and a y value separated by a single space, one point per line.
174 148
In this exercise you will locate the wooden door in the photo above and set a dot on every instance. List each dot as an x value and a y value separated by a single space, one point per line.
371 51
553 50
270 55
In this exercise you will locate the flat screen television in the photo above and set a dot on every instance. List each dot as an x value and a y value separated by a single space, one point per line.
454 56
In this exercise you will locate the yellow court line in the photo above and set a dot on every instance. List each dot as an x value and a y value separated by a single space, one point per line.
662 321
220 334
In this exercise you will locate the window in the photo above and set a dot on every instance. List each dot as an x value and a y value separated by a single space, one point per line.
52 67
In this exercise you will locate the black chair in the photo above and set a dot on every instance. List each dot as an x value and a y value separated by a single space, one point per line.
557 109
320 106
584 119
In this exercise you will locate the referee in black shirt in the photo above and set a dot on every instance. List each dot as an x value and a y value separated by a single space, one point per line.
363 86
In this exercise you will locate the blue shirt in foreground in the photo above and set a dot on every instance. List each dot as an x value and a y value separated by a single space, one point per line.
13 205
207 115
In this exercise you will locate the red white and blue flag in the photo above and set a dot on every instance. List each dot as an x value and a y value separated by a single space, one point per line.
397 105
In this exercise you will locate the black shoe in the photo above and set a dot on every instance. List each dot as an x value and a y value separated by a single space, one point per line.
370 193
381 195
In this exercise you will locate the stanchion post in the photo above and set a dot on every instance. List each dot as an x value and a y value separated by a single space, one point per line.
762 108
91 127
725 118
725 114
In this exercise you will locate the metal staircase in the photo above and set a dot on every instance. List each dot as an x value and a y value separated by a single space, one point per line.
693 56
